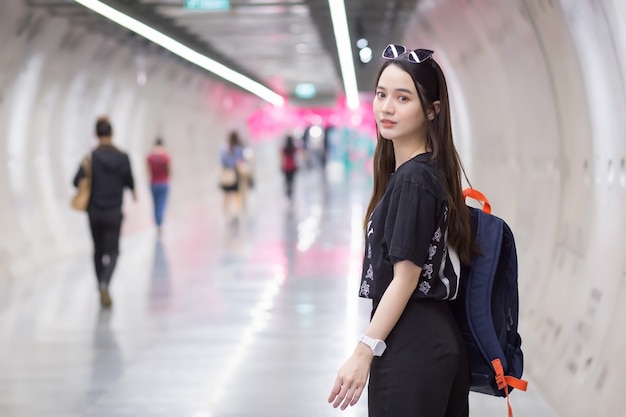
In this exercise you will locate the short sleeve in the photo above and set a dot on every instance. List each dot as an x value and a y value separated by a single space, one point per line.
410 223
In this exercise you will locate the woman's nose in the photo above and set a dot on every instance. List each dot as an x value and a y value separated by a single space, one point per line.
387 106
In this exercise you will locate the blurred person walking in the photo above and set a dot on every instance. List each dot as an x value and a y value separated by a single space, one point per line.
288 164
110 173
159 168
233 163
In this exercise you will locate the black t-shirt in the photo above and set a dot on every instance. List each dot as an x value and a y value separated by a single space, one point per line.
409 223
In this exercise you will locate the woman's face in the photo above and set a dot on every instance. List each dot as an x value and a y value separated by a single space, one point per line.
397 107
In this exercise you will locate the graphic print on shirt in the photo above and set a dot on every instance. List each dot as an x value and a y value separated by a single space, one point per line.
448 262
429 268
437 237
424 287
365 289
427 271
369 275
432 250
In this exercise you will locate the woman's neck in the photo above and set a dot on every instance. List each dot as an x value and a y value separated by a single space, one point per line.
405 151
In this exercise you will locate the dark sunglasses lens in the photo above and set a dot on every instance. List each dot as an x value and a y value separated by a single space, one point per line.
393 51
420 55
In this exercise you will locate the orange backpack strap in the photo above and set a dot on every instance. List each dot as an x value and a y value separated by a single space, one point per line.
478 196
504 381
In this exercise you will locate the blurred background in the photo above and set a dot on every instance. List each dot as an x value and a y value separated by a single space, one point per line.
212 319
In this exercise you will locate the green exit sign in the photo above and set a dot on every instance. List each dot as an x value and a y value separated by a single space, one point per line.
207 4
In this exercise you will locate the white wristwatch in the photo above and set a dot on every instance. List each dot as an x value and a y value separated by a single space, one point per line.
377 346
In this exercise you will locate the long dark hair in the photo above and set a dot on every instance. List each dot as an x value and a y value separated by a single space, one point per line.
430 84
290 146
233 141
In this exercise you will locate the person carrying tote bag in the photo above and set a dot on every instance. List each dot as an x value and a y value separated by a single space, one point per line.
231 158
80 200
109 174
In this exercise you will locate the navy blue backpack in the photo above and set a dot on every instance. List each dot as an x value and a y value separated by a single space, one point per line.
487 306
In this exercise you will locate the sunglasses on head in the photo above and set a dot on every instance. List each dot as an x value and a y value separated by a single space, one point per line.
416 56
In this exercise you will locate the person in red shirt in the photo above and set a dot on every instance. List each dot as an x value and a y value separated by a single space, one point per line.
288 164
159 167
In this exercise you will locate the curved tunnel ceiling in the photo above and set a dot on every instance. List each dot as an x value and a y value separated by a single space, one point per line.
538 94
280 43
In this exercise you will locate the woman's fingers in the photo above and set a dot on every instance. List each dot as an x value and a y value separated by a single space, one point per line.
335 391
357 396
344 395
338 394
341 396
350 382
351 397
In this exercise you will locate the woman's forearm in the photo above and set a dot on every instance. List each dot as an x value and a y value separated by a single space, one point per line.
394 300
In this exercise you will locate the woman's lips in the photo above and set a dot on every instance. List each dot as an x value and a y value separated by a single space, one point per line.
387 123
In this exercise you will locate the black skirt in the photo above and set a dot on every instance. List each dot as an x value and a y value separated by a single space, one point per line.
231 188
424 370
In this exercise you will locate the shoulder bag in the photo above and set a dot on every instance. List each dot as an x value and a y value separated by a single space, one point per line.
80 200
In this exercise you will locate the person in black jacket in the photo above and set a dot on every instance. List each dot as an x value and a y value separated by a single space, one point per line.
110 175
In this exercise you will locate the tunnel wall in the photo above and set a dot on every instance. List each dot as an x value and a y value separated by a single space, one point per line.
56 79
539 101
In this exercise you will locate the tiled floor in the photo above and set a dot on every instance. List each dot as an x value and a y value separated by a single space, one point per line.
210 321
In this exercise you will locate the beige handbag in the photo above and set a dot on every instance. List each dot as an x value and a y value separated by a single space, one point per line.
228 177
80 200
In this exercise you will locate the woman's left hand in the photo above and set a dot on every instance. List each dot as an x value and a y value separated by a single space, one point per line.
351 378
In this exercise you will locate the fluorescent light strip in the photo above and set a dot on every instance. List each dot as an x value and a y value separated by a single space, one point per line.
183 51
344 50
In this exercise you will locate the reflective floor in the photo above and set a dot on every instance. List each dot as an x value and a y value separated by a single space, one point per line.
208 321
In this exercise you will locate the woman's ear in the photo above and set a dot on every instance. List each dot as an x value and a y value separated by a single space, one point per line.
434 110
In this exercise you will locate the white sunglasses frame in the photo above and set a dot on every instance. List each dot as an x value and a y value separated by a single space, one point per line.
411 54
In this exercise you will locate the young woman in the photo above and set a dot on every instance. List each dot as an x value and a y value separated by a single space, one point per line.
159 168
110 175
417 235
232 159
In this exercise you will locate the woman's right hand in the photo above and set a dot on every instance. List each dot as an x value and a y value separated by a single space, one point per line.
351 378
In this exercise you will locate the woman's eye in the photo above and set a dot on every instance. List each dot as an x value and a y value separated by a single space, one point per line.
380 94
403 98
